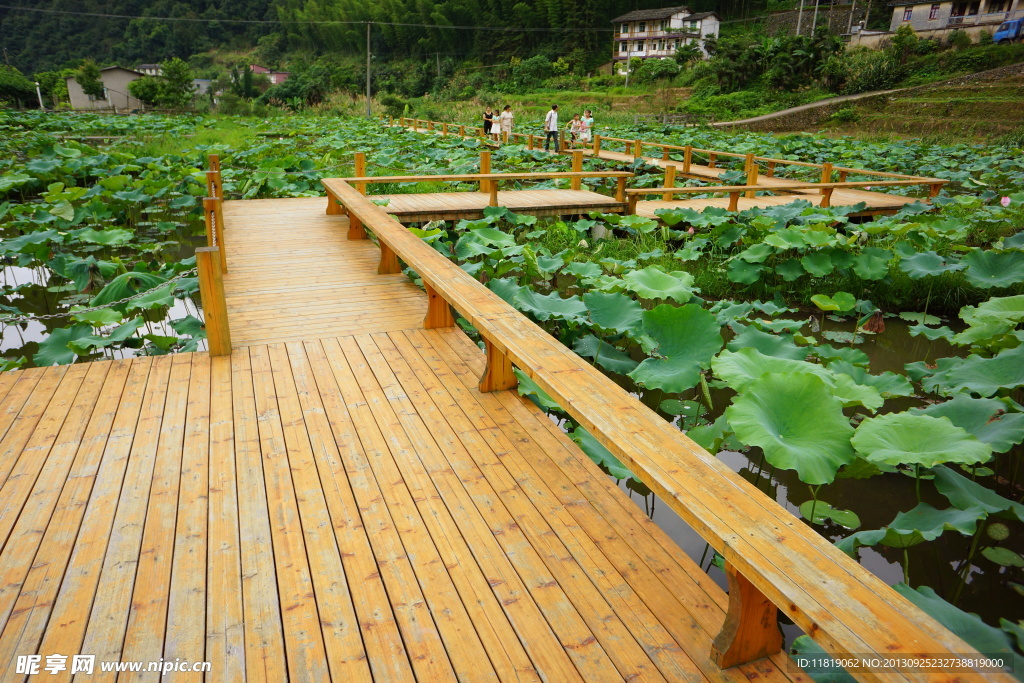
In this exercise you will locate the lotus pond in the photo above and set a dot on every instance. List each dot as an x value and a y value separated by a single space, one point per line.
865 373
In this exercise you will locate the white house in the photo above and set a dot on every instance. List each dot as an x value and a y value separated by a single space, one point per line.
115 96
658 33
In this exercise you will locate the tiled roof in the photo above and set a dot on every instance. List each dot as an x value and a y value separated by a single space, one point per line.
646 14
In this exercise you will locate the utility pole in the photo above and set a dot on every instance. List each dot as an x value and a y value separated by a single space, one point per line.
40 96
849 24
368 101
799 17
814 21
438 55
6 58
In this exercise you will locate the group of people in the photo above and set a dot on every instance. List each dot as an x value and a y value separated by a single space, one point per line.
579 129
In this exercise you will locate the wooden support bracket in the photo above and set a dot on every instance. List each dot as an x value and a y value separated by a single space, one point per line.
356 231
334 208
734 201
934 189
211 290
751 629
631 204
498 375
638 148
826 197
439 313
388 261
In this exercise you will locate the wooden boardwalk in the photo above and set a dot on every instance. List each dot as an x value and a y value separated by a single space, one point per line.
341 503
450 206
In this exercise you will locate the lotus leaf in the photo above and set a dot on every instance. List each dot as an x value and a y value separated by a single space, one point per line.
908 439
1008 309
583 269
527 387
614 311
982 376
966 494
85 345
988 419
822 511
790 270
931 333
654 283
777 345
687 338
54 349
596 451
840 301
744 273
604 354
1004 557
794 418
872 263
989 269
125 285
927 263
888 384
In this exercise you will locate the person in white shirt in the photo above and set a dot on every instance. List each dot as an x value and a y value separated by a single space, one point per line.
505 122
551 128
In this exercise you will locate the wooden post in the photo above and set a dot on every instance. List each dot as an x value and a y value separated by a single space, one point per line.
439 313
356 231
529 141
826 172
360 171
631 204
664 153
212 184
751 175
620 189
670 181
751 630
577 167
444 130
771 169
934 189
826 197
843 175
687 158
498 375
597 145
712 160
388 261
215 311
485 168
734 200
492 192
430 125
214 161
638 149
215 228
462 131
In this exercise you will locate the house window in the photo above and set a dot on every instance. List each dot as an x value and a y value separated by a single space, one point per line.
671 45
934 13
694 24
664 24
623 28
641 27
623 47
908 14
104 96
639 46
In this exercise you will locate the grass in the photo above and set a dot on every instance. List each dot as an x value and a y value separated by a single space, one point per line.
222 131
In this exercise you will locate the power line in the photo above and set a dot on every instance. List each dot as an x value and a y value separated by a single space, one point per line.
327 22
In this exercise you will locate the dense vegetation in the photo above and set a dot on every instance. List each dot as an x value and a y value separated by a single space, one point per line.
841 356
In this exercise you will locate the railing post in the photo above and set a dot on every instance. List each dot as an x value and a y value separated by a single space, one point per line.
826 172
620 189
444 130
597 145
215 228
751 175
211 291
687 158
712 159
462 131
771 169
485 168
734 200
826 197
360 171
670 181
843 175
751 630
529 141
388 260
638 149
577 167
498 375
664 153
439 313
212 184
934 189
214 161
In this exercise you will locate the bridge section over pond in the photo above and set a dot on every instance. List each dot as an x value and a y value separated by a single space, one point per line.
334 499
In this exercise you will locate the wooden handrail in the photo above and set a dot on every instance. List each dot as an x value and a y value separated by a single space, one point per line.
768 552
697 189
486 176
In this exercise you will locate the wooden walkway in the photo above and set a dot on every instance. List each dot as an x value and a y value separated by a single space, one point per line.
413 208
339 504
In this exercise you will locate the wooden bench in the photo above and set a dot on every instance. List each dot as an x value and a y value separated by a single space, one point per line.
773 560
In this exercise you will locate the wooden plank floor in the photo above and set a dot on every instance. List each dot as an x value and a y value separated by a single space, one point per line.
293 274
410 208
338 509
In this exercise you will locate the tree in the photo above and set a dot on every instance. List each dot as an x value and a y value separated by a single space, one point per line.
178 89
88 78
54 85
14 87
688 54
147 90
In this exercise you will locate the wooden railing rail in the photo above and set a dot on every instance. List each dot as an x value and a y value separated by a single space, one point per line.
211 263
734 191
773 560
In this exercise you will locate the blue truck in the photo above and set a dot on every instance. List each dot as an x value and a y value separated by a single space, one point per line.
1009 32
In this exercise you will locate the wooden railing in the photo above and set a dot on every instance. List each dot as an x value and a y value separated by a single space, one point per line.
734 191
773 561
211 262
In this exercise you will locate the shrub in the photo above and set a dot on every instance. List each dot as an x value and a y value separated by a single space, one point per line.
959 40
393 105
846 115
657 69
984 38
871 70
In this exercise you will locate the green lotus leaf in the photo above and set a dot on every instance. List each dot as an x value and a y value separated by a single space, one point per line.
794 418
988 419
787 238
583 269
527 387
86 345
604 354
830 671
1008 309
872 263
676 407
790 270
818 512
927 263
551 306
1004 557
125 285
614 311
100 318
965 494
54 349
777 345
982 376
1015 630
596 451
840 301
10 181
908 439
744 273
988 269
818 264
967 626
920 318
931 333
686 338
888 384
639 223
757 253
654 283
189 325
931 522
